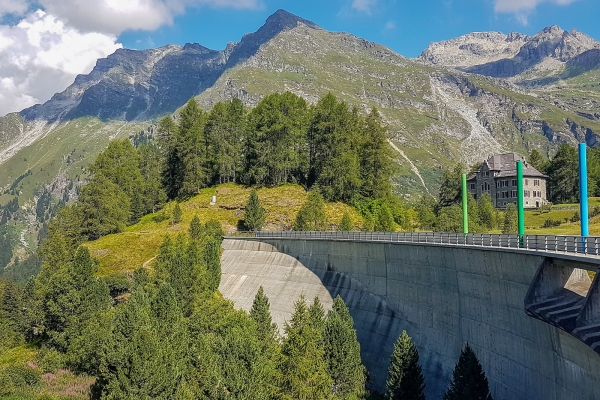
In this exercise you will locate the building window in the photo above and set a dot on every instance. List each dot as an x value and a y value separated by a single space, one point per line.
526 193
472 186
505 183
486 173
514 193
536 182
504 203
514 182
498 184
526 182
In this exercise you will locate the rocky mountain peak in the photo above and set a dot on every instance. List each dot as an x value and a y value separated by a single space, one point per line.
278 22
509 56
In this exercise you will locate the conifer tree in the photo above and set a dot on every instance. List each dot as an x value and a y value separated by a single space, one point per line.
266 328
510 219
405 380
173 168
192 148
212 259
333 138
346 223
385 219
277 140
304 371
486 211
450 189
538 161
316 314
311 216
376 159
176 214
468 379
120 164
195 230
254 216
342 352
103 208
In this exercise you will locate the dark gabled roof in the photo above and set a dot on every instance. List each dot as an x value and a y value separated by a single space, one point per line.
504 166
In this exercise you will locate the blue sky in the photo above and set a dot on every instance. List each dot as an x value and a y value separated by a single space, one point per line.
45 44
405 26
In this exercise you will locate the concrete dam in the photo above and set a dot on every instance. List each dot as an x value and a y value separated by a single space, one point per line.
533 317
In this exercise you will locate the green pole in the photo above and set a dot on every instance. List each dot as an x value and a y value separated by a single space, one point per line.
465 205
520 201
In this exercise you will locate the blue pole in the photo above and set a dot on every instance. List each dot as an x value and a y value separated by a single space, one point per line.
583 190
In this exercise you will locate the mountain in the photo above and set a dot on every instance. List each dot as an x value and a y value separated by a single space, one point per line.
438 111
514 56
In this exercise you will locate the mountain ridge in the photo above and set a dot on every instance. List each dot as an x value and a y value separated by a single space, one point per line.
436 114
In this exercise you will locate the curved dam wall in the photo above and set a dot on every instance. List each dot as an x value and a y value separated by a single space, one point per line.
442 296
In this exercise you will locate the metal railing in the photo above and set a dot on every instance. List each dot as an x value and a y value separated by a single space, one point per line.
589 246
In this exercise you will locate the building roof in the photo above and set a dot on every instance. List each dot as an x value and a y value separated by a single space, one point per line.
504 165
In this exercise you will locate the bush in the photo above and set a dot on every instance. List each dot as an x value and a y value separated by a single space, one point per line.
160 217
549 223
575 217
18 377
117 284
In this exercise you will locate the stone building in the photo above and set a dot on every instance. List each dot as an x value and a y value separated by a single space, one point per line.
498 177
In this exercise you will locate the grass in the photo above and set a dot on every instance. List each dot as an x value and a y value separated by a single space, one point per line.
124 252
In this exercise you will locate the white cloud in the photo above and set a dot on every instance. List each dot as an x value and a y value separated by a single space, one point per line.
364 5
390 25
116 16
17 7
520 6
41 55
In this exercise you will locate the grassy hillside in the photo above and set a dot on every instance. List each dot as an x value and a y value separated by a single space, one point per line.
31 371
129 250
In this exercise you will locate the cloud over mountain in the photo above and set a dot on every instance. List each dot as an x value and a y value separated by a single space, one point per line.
55 40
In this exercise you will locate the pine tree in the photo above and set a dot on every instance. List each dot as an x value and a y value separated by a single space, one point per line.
254 216
450 189
195 230
277 140
120 164
151 167
405 380
212 259
468 379
316 314
385 220
333 139
377 158
342 352
510 219
103 208
346 223
311 216
192 149
173 168
563 183
304 370
537 161
176 214
473 213
266 328
486 211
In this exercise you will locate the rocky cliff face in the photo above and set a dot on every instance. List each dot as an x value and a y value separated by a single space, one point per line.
514 56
